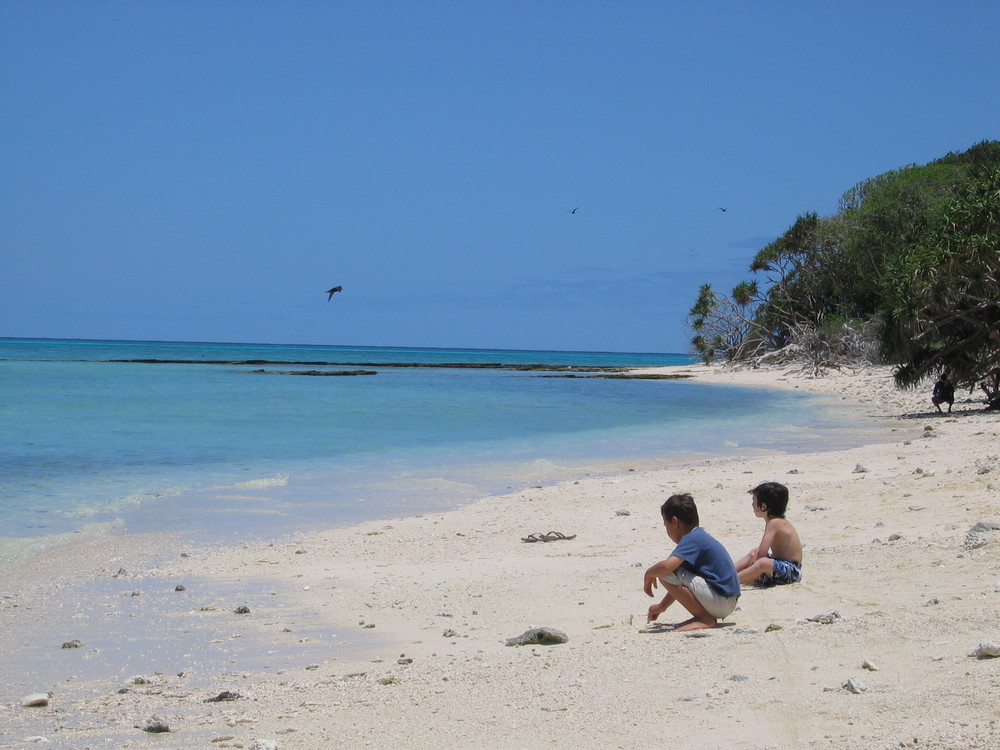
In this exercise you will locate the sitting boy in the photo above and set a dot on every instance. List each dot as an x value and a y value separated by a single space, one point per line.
699 572
778 557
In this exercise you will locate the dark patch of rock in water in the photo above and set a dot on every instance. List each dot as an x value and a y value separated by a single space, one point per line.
315 373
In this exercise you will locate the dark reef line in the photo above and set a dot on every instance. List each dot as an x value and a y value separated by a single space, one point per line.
567 371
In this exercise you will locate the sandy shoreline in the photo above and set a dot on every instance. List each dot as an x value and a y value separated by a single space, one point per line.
403 622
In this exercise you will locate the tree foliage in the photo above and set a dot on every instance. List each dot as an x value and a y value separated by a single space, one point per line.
943 297
911 254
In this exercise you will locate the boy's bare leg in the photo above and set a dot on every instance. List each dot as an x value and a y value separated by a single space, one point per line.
701 618
745 561
763 566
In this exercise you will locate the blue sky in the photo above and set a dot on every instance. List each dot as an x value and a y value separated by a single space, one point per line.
204 171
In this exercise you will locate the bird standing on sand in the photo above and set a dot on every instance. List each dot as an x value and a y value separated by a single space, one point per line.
333 291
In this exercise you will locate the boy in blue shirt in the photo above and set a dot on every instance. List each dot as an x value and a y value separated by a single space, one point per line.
699 573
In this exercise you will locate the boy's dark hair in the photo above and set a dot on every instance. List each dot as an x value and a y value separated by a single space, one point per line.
773 496
680 506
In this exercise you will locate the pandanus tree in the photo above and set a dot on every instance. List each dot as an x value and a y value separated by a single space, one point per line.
943 297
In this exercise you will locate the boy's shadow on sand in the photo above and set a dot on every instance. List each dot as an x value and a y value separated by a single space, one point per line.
671 627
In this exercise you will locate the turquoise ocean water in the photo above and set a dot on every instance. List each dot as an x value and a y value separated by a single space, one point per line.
240 448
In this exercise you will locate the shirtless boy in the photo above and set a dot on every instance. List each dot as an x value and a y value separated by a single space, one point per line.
778 557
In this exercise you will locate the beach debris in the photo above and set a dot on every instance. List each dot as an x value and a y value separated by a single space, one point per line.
932 602
242 610
405 660
859 469
35 700
263 745
824 618
122 573
154 726
38 738
75 643
545 636
552 536
772 627
977 536
180 587
139 680
693 696
449 633
856 686
986 650
869 666
895 537
738 678
814 508
225 695
794 471
623 513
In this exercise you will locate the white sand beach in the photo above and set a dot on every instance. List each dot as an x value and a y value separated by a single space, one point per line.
427 604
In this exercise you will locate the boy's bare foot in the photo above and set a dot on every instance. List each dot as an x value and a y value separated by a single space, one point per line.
695 624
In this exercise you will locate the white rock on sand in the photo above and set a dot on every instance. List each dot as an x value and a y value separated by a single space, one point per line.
611 685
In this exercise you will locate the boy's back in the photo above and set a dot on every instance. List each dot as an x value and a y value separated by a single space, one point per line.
784 540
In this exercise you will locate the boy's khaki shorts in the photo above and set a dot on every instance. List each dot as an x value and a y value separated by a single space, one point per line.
716 605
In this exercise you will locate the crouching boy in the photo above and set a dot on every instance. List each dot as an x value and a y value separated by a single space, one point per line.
699 573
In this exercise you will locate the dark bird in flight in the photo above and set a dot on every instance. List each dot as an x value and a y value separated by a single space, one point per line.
574 210
723 209
333 291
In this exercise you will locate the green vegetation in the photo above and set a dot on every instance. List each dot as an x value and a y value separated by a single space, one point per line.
907 272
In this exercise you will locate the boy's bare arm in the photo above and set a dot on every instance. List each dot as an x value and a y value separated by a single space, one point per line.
660 569
771 530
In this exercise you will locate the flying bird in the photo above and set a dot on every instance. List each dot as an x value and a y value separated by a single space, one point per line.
574 210
333 291
723 209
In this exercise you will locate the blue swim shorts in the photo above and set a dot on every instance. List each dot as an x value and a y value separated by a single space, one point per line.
785 571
